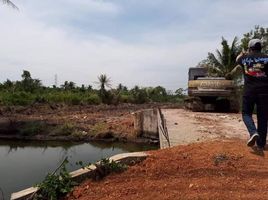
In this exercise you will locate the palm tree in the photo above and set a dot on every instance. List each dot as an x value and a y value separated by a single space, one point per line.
119 87
224 62
68 85
26 75
71 85
104 81
10 3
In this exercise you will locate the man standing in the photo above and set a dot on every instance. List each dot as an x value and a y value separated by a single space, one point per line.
255 69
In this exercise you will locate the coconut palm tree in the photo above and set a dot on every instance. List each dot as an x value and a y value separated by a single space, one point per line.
121 88
224 61
10 3
104 81
68 85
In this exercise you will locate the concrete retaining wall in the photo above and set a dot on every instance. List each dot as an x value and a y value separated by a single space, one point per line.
146 123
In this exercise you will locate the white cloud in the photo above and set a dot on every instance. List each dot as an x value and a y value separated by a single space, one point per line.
48 51
45 39
69 7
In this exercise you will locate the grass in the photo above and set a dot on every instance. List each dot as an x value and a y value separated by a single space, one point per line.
66 97
99 128
66 129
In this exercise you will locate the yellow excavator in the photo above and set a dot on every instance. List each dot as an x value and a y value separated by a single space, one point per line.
210 93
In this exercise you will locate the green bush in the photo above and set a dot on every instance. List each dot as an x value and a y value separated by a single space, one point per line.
17 98
55 185
74 99
55 97
40 99
13 94
141 97
124 98
28 91
64 130
67 97
107 97
92 99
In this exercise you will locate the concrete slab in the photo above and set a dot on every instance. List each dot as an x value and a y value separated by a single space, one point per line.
186 127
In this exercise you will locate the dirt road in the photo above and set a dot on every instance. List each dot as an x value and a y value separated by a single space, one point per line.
186 127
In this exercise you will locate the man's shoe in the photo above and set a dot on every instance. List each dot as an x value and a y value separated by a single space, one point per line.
259 148
252 139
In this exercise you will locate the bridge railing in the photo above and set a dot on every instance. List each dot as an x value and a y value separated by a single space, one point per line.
162 126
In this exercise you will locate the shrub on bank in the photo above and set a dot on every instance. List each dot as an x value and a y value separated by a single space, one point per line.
92 99
123 98
16 98
64 97
65 129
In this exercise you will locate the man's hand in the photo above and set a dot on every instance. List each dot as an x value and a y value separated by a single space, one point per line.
242 53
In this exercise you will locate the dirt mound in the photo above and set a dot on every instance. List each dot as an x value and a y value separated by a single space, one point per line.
210 170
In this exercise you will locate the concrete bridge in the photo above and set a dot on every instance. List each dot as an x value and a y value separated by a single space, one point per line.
178 126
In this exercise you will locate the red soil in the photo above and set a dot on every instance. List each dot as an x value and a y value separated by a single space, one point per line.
209 170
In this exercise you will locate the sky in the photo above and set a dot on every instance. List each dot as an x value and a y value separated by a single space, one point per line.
134 42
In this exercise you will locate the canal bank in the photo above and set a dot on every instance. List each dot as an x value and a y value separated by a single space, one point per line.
148 124
25 163
75 123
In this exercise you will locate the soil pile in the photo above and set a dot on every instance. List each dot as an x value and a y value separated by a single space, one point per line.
209 170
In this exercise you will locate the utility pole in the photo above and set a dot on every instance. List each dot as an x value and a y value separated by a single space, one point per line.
56 80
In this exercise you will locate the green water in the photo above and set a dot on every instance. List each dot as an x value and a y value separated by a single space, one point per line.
23 164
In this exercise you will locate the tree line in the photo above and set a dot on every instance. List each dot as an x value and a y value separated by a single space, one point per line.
28 91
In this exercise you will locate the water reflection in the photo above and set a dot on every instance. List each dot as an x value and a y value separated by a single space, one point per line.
23 164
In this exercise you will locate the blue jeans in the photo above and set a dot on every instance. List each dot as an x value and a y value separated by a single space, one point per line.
261 102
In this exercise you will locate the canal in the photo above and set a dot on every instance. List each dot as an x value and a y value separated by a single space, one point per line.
25 163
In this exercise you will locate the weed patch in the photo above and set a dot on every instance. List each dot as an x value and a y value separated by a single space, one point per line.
65 130
56 184
59 183
99 128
